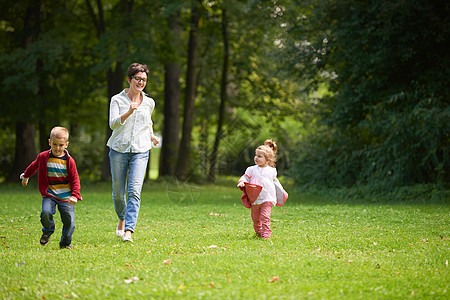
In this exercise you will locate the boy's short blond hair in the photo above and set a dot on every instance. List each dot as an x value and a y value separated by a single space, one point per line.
59 133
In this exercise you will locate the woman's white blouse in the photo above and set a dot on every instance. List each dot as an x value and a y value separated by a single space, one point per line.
264 177
133 135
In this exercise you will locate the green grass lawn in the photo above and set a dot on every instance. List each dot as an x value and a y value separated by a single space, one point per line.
197 242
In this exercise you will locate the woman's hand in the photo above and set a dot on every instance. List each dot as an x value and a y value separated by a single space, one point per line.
241 184
133 107
155 140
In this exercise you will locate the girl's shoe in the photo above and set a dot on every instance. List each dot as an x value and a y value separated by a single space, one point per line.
120 233
127 239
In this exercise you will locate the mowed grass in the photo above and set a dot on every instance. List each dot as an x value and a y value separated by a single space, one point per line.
197 242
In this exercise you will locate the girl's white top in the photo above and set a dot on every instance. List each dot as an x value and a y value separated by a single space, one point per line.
265 177
134 134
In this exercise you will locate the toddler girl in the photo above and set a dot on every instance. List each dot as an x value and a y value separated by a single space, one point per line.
262 177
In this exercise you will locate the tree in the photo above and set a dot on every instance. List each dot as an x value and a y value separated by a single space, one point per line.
172 71
236 86
24 127
223 99
189 98
384 63
115 71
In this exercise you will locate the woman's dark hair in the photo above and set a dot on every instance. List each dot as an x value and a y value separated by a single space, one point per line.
135 68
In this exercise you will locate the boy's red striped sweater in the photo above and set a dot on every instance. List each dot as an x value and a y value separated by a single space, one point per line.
40 163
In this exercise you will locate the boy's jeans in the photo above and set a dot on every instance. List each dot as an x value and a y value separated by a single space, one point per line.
67 212
133 164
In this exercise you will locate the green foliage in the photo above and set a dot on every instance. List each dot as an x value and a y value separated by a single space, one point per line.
7 142
389 108
260 94
355 92
372 194
203 246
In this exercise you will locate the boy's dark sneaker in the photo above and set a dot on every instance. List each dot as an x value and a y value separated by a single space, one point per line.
44 239
66 247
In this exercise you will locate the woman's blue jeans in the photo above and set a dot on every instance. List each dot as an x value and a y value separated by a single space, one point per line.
67 212
128 173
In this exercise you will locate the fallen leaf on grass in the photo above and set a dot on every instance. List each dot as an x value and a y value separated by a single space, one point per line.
211 284
212 246
446 263
274 278
149 251
132 279
167 262
350 261
127 265
216 214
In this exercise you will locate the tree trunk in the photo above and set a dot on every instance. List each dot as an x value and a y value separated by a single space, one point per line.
114 76
190 92
115 84
44 134
171 119
44 120
169 151
223 98
25 149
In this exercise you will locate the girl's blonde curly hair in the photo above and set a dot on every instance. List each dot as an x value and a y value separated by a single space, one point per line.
269 150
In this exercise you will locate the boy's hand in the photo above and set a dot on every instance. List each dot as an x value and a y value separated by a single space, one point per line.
241 184
73 200
24 180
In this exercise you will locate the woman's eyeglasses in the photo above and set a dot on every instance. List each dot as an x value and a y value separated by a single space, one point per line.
139 79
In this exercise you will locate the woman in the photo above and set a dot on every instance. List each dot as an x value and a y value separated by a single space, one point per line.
130 142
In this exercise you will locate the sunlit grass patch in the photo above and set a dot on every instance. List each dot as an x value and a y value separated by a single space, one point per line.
198 242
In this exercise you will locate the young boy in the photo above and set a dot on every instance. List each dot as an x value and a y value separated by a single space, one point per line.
59 185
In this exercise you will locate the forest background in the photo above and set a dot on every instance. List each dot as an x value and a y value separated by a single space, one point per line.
355 93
